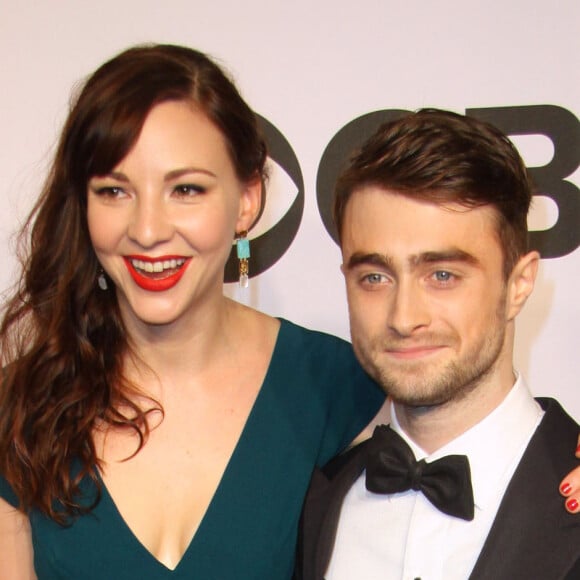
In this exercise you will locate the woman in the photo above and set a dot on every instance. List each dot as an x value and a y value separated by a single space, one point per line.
149 426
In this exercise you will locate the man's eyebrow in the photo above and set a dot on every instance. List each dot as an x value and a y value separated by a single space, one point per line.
450 255
369 259
433 257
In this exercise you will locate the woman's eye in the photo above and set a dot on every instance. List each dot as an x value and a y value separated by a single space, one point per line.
109 191
188 189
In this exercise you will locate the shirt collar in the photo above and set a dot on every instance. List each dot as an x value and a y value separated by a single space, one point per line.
494 445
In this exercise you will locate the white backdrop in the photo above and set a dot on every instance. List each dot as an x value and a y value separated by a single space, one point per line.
310 67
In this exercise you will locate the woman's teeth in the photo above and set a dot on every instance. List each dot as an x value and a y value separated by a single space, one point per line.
158 266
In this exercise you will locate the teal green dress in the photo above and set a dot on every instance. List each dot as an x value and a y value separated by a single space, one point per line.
315 399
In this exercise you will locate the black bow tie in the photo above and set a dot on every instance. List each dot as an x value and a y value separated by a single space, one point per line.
391 467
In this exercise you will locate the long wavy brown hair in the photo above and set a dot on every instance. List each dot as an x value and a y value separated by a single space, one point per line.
62 339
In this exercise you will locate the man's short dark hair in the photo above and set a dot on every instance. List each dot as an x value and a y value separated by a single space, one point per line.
443 157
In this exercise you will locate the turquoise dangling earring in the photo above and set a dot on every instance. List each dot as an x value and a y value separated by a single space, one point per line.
243 251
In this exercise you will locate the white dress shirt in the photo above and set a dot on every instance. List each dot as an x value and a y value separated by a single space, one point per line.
402 536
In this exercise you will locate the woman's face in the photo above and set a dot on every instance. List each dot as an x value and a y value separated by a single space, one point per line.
163 220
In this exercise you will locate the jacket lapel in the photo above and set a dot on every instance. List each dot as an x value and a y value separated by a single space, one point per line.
323 506
532 535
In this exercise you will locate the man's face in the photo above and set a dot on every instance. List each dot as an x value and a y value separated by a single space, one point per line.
426 294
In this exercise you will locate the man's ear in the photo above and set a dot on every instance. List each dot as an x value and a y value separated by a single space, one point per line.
521 282
250 204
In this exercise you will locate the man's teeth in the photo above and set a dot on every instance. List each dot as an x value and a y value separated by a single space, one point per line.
159 266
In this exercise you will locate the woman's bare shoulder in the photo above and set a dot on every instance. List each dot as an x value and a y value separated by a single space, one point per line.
16 553
254 326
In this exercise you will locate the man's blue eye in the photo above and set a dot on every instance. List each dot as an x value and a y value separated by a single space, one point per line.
443 276
374 278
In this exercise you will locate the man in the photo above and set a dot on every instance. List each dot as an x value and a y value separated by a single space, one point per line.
431 215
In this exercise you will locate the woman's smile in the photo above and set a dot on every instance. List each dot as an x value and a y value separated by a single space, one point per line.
156 274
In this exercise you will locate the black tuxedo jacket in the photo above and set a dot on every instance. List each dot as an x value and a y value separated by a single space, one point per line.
532 538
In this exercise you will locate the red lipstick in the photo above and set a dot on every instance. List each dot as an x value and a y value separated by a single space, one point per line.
156 281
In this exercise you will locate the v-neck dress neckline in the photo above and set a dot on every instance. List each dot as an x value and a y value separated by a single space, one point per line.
123 526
